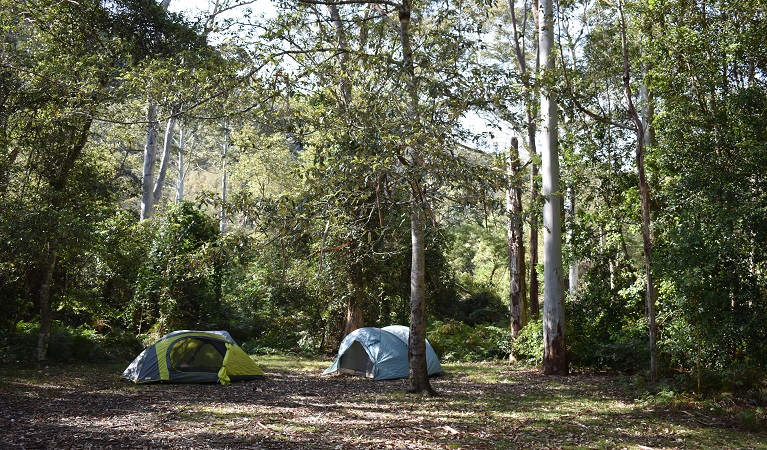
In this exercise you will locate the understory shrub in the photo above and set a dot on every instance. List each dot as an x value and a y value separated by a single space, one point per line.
528 348
69 345
457 341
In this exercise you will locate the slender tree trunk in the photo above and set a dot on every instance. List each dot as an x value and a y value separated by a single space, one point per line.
418 370
150 193
44 300
515 242
150 154
573 278
224 154
419 375
181 168
165 158
355 316
535 310
642 133
530 119
555 349
58 186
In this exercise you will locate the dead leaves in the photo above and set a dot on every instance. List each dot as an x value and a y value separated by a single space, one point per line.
301 410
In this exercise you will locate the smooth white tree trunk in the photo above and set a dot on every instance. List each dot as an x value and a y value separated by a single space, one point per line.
573 276
148 187
164 159
150 154
224 154
555 352
181 167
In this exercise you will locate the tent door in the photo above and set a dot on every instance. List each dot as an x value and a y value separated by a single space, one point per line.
355 361
194 354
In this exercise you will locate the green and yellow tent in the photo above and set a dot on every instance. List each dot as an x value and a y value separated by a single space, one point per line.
188 356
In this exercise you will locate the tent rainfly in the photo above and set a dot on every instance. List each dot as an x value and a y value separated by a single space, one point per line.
379 353
187 356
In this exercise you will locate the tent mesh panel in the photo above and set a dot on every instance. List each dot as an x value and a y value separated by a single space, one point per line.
196 354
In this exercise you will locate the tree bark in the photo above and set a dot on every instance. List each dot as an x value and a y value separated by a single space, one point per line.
555 349
355 316
515 243
165 158
150 154
573 278
44 300
535 310
181 167
224 154
418 370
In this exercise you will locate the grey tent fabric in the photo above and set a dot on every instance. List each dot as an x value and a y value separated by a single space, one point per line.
379 353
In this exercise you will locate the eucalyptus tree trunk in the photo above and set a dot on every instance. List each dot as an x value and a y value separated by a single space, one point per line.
555 350
535 309
150 191
224 154
531 117
181 167
515 242
418 371
150 154
642 132
573 278
165 158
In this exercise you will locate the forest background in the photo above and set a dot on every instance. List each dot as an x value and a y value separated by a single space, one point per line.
224 170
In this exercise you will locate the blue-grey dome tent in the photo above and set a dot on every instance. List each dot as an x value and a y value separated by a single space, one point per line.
188 356
379 353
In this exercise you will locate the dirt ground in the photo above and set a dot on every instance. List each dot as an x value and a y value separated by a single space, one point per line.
79 408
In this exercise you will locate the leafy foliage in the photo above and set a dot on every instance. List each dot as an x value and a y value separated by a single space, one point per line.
179 283
457 341
528 348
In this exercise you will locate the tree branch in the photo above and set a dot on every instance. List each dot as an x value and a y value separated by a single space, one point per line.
350 2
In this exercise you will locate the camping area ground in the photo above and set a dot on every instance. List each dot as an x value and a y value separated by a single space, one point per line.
480 406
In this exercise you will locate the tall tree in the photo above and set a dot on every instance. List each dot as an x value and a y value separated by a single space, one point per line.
516 247
151 190
528 76
555 360
641 131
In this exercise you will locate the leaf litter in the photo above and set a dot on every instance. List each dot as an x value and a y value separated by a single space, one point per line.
493 407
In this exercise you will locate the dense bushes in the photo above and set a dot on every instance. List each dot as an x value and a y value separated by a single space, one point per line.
528 348
605 320
457 341
70 345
